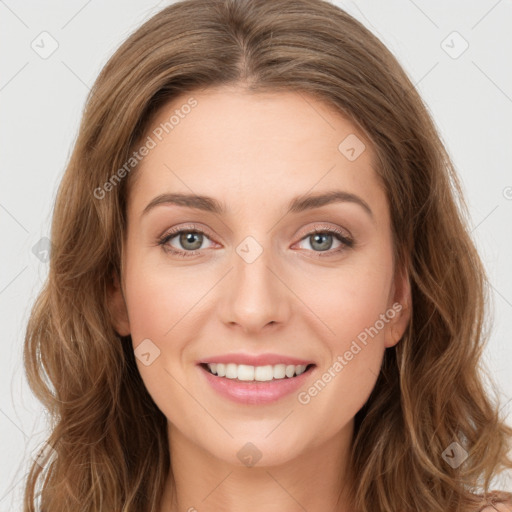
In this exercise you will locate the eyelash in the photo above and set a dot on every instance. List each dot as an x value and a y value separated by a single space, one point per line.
347 243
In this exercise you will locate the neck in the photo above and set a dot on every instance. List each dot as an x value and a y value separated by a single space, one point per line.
316 479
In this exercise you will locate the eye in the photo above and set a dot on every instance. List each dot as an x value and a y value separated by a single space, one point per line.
189 240
321 241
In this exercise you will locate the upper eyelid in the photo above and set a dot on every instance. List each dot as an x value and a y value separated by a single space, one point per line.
174 232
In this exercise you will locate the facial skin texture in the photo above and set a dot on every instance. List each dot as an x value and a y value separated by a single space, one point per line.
254 153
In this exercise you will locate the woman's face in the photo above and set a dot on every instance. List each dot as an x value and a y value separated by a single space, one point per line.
257 280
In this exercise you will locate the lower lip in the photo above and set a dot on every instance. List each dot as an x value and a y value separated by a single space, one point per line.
255 393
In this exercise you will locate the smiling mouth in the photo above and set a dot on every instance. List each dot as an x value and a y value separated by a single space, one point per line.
248 373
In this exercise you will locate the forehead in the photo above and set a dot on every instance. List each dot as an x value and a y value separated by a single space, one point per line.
244 146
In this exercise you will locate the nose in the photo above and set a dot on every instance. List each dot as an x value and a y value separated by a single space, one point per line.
254 295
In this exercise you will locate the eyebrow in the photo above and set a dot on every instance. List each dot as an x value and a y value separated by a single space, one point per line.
296 205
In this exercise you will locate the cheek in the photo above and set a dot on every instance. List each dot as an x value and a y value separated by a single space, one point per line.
156 299
348 375
353 303
353 298
157 302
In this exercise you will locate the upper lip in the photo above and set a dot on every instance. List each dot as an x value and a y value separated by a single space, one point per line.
255 360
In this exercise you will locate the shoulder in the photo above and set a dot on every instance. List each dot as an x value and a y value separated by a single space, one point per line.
500 501
500 507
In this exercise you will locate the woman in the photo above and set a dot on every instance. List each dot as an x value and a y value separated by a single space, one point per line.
317 343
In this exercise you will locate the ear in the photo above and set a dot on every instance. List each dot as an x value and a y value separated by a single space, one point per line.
117 307
399 311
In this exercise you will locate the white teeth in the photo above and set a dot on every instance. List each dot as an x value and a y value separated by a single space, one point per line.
263 373
244 372
279 371
231 371
256 373
290 370
301 369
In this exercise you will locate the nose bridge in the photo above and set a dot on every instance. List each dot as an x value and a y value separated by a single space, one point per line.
255 296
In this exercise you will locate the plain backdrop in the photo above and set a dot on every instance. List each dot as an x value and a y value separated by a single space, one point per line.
457 53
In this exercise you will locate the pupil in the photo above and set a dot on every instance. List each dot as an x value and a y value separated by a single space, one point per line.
324 246
188 237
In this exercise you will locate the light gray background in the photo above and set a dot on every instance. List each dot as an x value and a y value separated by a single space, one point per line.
41 102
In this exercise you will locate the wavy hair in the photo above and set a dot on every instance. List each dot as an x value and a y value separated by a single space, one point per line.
109 438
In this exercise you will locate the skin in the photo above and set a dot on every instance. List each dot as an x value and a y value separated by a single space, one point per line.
255 152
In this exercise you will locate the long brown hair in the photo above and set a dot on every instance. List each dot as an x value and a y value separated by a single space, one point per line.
109 438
